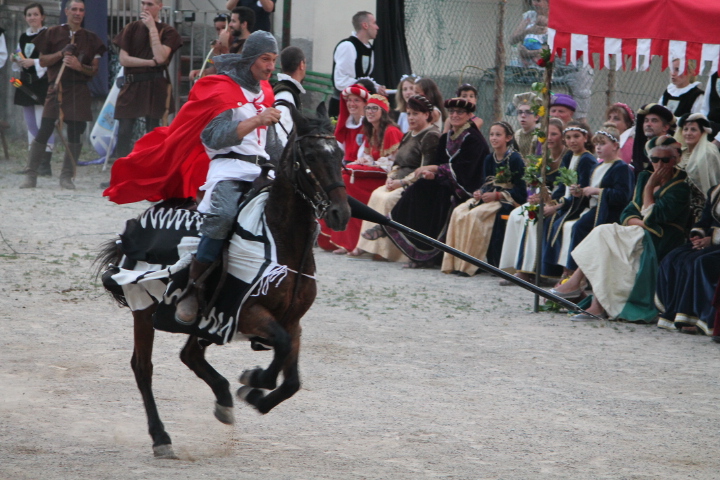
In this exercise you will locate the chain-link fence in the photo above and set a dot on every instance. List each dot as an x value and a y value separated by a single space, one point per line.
456 41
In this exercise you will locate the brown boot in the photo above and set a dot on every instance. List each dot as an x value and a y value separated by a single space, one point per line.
68 169
187 308
44 168
34 159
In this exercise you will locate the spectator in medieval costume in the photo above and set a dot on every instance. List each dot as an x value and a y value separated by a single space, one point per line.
456 172
232 126
261 10
520 244
621 260
353 57
476 226
34 78
563 106
405 90
525 136
78 51
349 135
417 149
653 120
146 49
561 217
426 87
700 159
623 118
688 275
469 93
683 94
711 106
610 190
348 130
289 88
381 138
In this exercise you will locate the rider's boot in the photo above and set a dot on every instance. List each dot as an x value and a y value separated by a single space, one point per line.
34 158
187 308
68 169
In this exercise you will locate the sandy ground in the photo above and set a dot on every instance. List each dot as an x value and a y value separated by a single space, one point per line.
406 375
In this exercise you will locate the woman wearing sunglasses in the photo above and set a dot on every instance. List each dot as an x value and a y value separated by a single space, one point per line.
621 261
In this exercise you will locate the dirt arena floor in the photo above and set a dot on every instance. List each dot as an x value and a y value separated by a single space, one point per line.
406 375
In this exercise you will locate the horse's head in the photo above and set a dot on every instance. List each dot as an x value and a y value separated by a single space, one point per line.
313 162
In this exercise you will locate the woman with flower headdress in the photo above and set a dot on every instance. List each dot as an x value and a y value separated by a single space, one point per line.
610 189
455 173
381 138
579 162
621 260
520 242
623 118
476 226
417 149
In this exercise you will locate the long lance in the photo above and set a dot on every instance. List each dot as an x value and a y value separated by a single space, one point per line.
363 212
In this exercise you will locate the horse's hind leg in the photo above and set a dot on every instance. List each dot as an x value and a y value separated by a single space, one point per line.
287 349
143 368
193 355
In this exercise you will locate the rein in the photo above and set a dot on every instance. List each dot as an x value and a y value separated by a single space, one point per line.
318 197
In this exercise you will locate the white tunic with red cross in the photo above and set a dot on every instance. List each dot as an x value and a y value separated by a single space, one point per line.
253 143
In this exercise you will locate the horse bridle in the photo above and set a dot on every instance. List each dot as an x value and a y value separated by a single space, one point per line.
306 183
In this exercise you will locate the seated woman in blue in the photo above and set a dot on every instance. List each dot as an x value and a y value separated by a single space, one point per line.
610 189
621 261
476 226
689 274
562 216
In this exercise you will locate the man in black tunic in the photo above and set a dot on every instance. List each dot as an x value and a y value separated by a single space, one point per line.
353 57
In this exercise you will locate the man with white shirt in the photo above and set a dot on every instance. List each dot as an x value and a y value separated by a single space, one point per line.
235 142
353 57
289 88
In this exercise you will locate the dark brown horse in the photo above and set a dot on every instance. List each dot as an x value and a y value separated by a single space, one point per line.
308 185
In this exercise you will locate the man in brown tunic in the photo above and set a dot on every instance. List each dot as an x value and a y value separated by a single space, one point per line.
71 55
146 48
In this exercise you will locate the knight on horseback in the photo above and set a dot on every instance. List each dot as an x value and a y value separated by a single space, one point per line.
235 141
221 122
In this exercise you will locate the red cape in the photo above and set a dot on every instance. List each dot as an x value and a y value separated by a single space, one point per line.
170 162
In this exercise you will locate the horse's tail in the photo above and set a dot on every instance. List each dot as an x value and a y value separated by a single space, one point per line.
110 253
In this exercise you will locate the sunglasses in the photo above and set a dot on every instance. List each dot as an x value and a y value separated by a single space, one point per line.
660 159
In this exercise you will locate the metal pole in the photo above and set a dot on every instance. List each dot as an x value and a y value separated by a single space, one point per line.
499 63
287 23
543 169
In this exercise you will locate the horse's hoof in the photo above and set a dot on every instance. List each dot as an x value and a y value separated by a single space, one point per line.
251 378
164 451
246 377
225 414
250 395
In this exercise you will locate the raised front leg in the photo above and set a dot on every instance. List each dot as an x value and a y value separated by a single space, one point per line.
252 392
193 355
141 363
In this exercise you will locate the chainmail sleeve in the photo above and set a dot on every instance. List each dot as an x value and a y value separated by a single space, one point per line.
221 132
